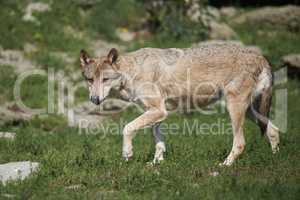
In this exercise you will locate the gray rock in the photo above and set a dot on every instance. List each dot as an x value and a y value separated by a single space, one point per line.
125 35
221 31
7 135
15 59
85 115
114 105
86 3
17 170
214 12
285 17
30 48
228 12
9 196
196 12
292 61
101 48
35 7
10 112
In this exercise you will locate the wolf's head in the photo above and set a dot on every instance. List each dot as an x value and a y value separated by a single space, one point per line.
101 74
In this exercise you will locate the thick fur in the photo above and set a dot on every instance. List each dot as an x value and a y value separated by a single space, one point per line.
151 76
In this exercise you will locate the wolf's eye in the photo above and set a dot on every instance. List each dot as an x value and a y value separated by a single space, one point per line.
90 80
105 79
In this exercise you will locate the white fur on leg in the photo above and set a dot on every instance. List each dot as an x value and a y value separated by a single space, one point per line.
228 161
159 152
237 149
273 136
127 152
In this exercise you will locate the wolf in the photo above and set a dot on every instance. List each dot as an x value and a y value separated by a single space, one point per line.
202 75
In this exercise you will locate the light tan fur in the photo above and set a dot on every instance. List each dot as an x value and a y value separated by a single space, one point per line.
151 76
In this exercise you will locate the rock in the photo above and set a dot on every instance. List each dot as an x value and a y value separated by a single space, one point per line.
86 3
221 31
102 48
85 115
35 7
285 17
10 112
197 13
17 170
214 12
30 48
110 106
16 59
9 196
228 12
292 61
214 174
75 187
7 135
194 11
125 35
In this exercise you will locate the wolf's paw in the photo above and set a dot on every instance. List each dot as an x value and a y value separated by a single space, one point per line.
159 153
127 153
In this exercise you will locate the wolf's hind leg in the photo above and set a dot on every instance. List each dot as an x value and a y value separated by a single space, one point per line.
237 110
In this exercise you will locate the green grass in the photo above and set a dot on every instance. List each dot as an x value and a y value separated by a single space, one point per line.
94 161
7 77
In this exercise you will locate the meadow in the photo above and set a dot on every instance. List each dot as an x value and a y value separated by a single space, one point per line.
90 166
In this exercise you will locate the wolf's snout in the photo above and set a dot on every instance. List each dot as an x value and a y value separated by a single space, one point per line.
95 100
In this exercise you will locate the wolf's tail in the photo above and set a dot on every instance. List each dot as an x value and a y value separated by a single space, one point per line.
261 101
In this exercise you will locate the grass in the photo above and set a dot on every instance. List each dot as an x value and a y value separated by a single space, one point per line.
94 163
7 77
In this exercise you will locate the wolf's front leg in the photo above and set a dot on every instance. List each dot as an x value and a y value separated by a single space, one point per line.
160 147
151 116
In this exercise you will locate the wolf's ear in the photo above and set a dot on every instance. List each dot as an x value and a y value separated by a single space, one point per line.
85 58
112 56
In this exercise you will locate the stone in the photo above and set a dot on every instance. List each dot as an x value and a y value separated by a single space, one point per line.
16 59
284 17
214 12
17 170
221 31
228 12
292 61
86 3
125 35
35 7
30 48
7 135
102 48
114 105
10 112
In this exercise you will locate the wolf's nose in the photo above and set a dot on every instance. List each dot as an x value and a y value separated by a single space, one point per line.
95 100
